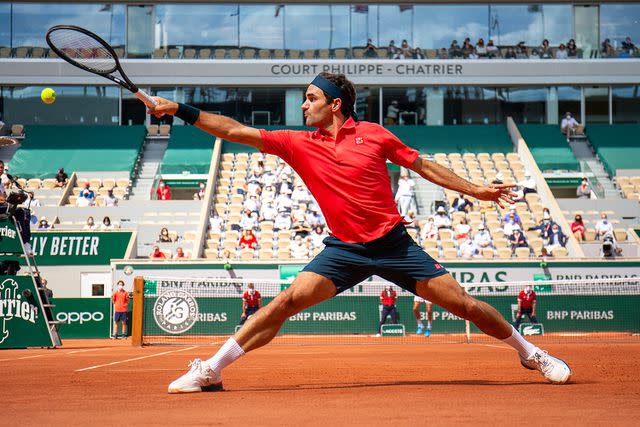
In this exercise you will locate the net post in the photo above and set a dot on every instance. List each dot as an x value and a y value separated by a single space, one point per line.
138 311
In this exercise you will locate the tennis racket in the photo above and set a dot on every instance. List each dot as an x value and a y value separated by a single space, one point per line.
5 141
87 51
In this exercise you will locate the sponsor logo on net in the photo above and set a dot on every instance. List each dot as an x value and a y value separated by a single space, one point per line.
12 306
175 311
79 317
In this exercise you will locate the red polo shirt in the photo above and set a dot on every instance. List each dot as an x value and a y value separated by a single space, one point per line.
251 300
347 176
526 299
388 298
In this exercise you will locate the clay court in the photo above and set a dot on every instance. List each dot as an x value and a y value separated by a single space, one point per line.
111 382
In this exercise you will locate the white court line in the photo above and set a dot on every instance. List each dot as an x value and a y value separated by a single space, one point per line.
87 349
135 358
25 357
496 346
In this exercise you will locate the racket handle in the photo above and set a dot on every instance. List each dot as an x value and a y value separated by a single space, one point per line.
142 96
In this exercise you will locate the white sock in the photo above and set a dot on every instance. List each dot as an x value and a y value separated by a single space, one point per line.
524 347
228 353
420 325
428 324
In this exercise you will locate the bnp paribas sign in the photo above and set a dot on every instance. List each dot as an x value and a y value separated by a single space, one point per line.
79 247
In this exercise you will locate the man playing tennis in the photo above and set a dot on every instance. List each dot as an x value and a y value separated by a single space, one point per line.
343 163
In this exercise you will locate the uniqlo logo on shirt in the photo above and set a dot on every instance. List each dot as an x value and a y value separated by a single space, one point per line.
438 266
359 140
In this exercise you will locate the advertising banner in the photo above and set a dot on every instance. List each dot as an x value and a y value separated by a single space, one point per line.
83 317
79 247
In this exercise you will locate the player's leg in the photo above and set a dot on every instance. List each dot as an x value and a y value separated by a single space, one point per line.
447 293
518 319
307 289
429 317
394 314
383 318
416 313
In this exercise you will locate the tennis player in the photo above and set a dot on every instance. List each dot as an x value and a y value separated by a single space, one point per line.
417 302
343 163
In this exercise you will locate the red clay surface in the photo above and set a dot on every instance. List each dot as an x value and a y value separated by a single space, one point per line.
440 384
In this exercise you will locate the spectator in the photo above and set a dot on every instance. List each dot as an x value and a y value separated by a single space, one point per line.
607 50
521 51
164 236
298 248
517 240
609 246
454 50
572 50
603 226
528 184
392 50
314 218
90 225
481 49
31 201
179 254
248 240
462 229
441 219
499 179
482 239
246 221
628 46
513 214
404 194
388 299
429 230
215 223
268 212
392 113
88 192
110 199
370 50
545 50
252 204
411 220
544 228
106 224
467 49
120 299
199 195
584 189
534 54
526 305
562 53
578 229
557 238
269 193
156 253
251 302
510 54
569 125
43 224
492 50
461 204
300 228
282 221
317 236
417 54
61 178
284 199
404 52
510 224
300 194
258 168
468 249
443 54
163 191
84 200
48 292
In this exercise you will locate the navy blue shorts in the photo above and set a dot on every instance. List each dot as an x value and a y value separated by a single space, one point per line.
395 257
120 316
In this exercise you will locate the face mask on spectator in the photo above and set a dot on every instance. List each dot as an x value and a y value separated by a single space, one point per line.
527 289
120 287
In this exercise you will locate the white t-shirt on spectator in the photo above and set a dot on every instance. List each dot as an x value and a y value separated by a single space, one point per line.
482 239
468 249
268 213
602 228
405 188
441 221
429 231
568 122
215 223
82 202
283 221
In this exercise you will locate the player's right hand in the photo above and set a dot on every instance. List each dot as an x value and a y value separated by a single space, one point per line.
243 316
164 107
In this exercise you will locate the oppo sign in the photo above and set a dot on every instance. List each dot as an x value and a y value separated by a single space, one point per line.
79 317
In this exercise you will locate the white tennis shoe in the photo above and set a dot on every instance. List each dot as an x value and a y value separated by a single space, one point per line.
199 378
553 369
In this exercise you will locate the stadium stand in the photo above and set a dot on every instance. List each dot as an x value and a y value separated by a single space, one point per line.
629 186
616 145
549 147
189 150
77 148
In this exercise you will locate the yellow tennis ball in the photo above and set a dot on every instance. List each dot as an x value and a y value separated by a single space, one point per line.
48 95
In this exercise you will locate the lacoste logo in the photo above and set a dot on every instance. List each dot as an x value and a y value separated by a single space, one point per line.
359 140
530 330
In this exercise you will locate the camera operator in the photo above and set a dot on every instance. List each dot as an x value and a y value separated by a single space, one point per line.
610 248
22 216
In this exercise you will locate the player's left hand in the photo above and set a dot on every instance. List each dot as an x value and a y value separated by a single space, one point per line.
499 193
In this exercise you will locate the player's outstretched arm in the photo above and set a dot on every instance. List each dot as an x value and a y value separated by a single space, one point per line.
220 126
431 171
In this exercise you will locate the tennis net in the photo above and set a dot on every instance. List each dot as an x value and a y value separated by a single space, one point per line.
205 311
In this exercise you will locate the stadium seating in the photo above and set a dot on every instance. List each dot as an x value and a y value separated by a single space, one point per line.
77 148
455 139
616 145
189 150
629 186
549 147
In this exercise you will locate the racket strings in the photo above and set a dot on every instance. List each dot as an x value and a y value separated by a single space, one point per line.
84 50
